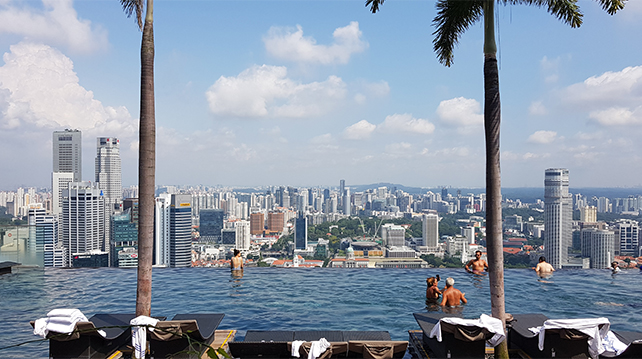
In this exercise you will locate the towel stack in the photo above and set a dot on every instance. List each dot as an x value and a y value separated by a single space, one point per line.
59 321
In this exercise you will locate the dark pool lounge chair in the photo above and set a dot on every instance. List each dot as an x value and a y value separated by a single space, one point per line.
457 341
353 344
86 343
185 336
558 343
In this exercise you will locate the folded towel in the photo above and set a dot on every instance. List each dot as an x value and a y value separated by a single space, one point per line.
139 334
317 348
493 325
59 321
295 347
594 328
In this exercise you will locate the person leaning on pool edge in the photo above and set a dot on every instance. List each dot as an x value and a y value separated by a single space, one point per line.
478 265
237 262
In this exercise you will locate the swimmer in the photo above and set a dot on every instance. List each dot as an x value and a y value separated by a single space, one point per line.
237 262
478 265
452 296
544 269
615 268
432 292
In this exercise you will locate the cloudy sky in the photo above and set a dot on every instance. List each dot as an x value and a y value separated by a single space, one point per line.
307 92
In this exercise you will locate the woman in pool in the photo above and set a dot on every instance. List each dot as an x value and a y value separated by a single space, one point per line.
432 292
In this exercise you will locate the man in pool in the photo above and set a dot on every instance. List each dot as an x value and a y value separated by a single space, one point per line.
237 262
476 265
452 296
615 267
543 268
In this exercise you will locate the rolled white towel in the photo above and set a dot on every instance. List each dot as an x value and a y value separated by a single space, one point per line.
59 321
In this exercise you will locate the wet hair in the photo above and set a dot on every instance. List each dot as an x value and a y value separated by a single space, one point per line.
450 282
614 263
431 281
480 252
542 259
236 252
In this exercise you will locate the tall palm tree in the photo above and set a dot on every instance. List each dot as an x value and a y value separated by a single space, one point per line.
453 18
146 154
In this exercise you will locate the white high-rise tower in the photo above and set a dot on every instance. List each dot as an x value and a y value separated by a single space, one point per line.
558 216
67 164
108 172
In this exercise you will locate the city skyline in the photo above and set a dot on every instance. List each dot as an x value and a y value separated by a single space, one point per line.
306 94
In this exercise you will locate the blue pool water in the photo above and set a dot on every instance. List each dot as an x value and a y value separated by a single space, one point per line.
305 299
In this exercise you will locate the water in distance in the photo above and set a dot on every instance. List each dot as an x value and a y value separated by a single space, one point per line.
305 299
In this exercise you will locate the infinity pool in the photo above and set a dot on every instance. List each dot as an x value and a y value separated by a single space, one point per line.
305 299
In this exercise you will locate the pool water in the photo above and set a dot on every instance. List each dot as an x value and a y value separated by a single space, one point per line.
305 299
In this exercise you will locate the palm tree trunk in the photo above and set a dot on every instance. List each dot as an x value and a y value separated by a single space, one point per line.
492 121
146 168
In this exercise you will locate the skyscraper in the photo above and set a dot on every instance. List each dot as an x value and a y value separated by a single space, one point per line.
301 232
67 164
558 216
180 231
108 171
257 223
83 222
627 240
431 230
67 152
211 224
161 230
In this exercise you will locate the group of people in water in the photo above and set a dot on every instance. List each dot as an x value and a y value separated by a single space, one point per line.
450 296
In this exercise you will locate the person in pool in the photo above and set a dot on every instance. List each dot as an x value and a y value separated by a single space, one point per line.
237 262
615 267
476 265
543 268
432 292
452 296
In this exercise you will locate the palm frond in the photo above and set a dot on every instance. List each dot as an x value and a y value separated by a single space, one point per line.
453 18
612 6
566 10
374 5
131 6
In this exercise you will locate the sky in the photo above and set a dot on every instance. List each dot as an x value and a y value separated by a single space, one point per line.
308 92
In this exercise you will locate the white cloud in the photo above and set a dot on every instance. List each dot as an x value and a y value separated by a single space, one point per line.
360 130
550 69
406 123
622 88
460 112
287 44
56 24
39 88
396 150
266 91
537 108
542 137
618 116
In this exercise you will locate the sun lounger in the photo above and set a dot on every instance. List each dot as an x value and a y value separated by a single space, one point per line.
377 349
262 343
562 342
185 336
86 342
458 341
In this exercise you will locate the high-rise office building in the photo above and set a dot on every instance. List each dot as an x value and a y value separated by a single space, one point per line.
276 221
83 222
211 224
347 206
597 244
242 235
180 231
108 169
627 240
431 230
558 216
161 230
301 232
67 153
393 235
257 223
67 164
124 238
